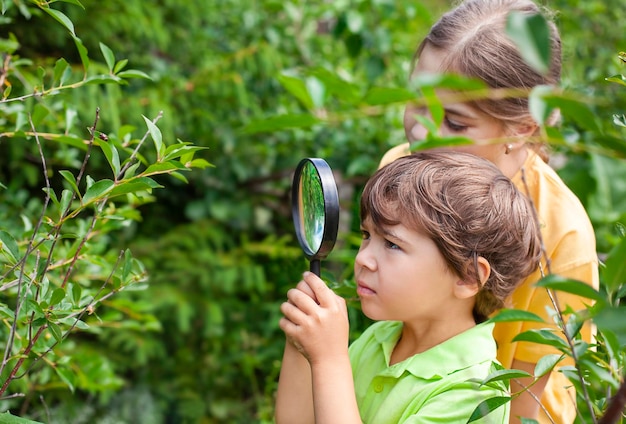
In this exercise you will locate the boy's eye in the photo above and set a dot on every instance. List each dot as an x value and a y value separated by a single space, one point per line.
391 245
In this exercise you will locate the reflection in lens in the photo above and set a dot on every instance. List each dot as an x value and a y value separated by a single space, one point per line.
311 207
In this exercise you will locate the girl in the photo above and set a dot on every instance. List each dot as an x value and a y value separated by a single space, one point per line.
471 40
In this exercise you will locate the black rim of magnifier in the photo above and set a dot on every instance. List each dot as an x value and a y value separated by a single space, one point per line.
331 208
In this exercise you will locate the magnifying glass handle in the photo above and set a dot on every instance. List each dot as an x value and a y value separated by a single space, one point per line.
315 266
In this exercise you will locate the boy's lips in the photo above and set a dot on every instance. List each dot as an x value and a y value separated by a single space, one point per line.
364 290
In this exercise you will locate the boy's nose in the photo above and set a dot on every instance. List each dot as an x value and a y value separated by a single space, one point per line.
364 259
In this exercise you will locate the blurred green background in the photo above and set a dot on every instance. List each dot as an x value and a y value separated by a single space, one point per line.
201 343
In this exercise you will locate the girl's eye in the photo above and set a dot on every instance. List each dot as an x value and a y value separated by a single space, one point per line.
365 235
454 126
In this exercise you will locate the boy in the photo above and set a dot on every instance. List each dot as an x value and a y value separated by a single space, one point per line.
446 238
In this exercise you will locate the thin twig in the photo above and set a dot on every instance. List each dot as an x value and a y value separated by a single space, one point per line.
130 160
81 313
89 147
555 304
534 396
616 406
29 250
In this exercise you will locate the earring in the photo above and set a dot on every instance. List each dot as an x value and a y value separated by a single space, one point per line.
508 148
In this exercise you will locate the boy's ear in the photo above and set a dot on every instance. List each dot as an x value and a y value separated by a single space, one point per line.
466 289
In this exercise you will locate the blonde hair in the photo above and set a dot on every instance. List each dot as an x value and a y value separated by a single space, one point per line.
469 209
474 37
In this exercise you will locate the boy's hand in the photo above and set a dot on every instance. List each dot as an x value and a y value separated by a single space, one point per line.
315 319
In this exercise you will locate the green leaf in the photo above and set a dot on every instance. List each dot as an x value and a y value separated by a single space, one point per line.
134 186
611 320
620 79
155 133
435 107
9 245
198 163
72 141
448 81
109 57
544 337
384 96
434 141
53 196
354 21
66 375
178 150
281 122
97 191
163 168
7 418
60 67
57 296
128 264
509 315
66 200
133 73
296 87
119 66
180 177
60 16
567 285
504 375
69 177
55 330
577 109
113 157
74 2
82 51
6 312
317 91
77 292
487 406
39 113
546 364
335 85
103 79
428 124
130 172
540 110
531 35
614 270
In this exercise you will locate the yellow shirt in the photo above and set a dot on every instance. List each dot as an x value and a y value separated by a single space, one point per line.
570 244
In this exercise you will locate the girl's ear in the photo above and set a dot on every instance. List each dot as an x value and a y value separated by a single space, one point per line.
466 289
524 129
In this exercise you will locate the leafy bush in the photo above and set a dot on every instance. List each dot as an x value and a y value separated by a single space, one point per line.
261 87
59 263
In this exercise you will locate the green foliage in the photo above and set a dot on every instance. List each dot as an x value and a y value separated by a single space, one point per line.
261 86
217 301
57 260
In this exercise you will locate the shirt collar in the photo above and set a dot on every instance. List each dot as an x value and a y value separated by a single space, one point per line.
461 351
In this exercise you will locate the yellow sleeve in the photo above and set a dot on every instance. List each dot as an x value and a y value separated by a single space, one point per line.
395 153
537 300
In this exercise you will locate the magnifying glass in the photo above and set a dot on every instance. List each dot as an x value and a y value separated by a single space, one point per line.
315 210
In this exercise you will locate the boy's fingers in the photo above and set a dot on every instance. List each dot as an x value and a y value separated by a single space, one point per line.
304 287
323 295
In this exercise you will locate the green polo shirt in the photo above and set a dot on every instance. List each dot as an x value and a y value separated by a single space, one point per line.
431 387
